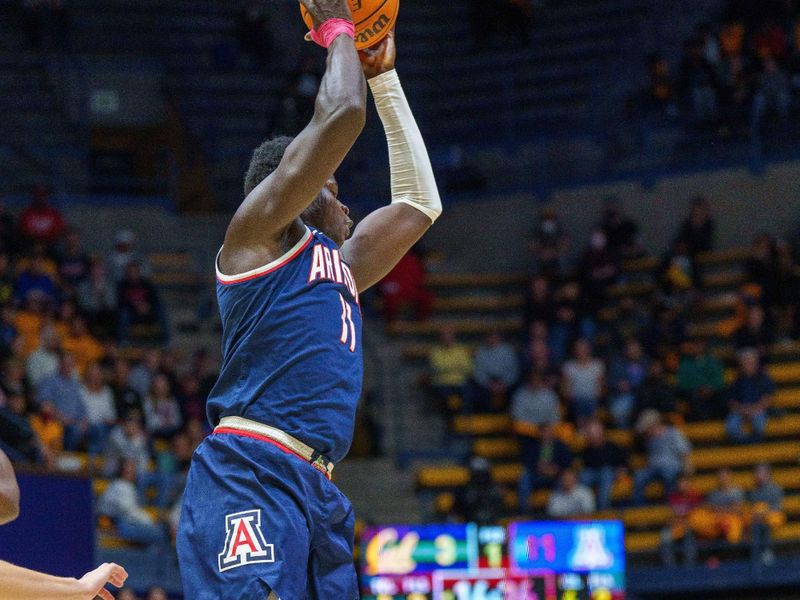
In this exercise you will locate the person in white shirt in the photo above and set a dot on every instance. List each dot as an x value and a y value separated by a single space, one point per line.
583 382
98 399
43 362
120 502
571 498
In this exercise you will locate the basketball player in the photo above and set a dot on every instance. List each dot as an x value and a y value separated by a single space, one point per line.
261 518
17 583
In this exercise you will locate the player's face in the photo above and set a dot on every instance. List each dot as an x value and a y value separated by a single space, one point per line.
335 215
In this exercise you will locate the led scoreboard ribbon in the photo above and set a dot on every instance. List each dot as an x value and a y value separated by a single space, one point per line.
529 561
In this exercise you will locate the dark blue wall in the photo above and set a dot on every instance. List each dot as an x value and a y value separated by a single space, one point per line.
55 530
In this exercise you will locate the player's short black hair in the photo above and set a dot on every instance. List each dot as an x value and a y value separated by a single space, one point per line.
264 161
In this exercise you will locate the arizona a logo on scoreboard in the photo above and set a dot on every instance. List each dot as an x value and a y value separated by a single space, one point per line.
244 541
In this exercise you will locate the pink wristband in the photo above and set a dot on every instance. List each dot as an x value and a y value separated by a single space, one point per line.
331 29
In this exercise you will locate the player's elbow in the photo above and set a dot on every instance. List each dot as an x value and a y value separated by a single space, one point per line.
350 115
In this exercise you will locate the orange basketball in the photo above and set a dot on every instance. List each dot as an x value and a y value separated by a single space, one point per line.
373 19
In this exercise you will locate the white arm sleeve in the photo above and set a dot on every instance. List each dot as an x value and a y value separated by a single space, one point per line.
411 172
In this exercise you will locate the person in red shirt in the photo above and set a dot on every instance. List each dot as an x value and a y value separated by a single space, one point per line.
40 221
405 286
682 501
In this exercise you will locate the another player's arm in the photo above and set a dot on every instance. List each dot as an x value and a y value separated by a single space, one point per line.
17 583
9 491
385 236
315 154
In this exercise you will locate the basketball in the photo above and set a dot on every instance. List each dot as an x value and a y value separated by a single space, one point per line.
374 19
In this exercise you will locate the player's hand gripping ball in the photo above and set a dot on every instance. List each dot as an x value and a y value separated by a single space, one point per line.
373 19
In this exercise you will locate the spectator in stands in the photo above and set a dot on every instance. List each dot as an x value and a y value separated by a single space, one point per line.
124 254
12 378
668 330
36 279
99 403
139 304
570 498
787 291
141 376
299 97
683 501
667 454
755 332
204 366
734 74
82 344
254 32
698 230
28 321
120 502
539 302
621 231
749 398
41 221
161 410
660 93
626 376
49 431
569 322
676 272
156 593
773 94
599 268
97 298
603 463
43 362
127 441
722 516
698 83
656 392
64 391
481 500
543 460
191 401
583 382
632 322
127 593
766 512
496 370
73 263
701 380
549 244
173 468
705 34
533 404
405 286
762 267
450 364
537 360
17 437
126 398
793 63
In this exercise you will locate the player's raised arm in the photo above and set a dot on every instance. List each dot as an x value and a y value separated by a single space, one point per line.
9 491
311 159
384 236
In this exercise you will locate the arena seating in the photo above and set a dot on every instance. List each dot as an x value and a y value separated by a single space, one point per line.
494 297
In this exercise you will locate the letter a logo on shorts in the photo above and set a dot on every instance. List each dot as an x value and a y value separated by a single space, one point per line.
244 541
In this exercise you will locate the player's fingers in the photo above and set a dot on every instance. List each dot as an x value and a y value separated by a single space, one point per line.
105 594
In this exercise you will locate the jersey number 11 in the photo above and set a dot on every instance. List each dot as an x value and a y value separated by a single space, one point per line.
348 327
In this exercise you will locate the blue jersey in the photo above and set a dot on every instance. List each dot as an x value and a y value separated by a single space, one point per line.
291 346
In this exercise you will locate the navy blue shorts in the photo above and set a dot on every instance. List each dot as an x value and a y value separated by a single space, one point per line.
256 520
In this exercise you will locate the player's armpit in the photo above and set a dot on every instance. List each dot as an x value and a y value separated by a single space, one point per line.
381 240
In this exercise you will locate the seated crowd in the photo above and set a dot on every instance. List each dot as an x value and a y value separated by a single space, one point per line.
591 361
67 384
